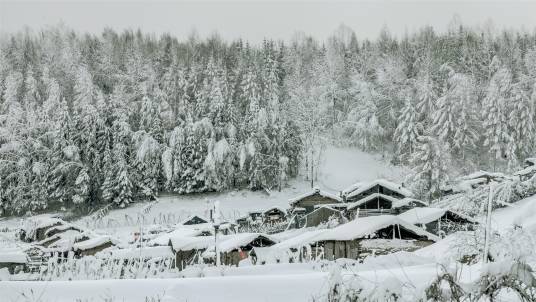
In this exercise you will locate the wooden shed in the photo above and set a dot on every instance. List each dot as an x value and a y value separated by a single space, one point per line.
320 215
274 215
316 197
92 246
371 205
438 221
237 247
14 260
188 250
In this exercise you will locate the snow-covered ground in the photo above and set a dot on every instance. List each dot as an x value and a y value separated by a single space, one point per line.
402 272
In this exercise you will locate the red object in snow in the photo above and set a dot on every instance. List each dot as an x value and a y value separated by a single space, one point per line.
242 254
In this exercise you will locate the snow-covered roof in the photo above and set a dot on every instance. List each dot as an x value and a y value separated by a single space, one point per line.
192 217
61 227
315 191
426 215
63 241
136 253
235 241
365 226
526 171
422 215
382 182
370 197
92 243
356 229
191 243
12 255
332 205
299 240
323 207
163 239
38 222
406 201
275 208
353 187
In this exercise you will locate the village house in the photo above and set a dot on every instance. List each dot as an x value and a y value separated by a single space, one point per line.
309 200
35 228
359 238
438 221
238 247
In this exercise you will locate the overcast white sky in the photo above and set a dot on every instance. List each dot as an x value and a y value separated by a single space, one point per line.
256 19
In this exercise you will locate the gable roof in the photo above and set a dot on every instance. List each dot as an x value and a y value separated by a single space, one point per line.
382 182
191 217
370 197
315 191
365 226
356 229
281 209
426 215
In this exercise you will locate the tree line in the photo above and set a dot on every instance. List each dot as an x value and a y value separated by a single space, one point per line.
87 120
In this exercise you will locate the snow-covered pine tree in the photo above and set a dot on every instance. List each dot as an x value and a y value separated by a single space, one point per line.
431 161
495 113
521 120
408 130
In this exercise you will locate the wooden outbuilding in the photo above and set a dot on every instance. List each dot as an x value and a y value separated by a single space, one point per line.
320 215
438 221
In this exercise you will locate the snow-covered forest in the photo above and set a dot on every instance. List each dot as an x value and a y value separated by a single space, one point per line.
88 120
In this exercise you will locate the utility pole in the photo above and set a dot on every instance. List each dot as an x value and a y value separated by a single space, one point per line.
216 223
488 223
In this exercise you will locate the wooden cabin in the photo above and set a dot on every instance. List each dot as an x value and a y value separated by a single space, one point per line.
35 228
379 186
92 246
188 250
438 221
316 197
274 215
14 260
238 247
320 215
360 238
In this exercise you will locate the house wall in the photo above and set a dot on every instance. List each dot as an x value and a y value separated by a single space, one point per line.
317 217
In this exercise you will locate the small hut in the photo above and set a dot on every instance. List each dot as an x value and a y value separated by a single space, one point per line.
316 197
188 250
320 215
14 260
380 186
35 228
438 221
92 246
237 247
274 215
371 205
